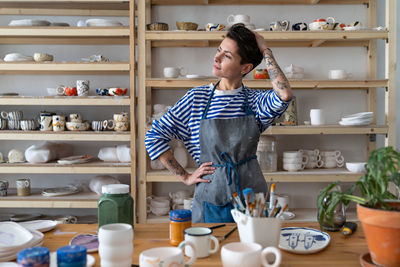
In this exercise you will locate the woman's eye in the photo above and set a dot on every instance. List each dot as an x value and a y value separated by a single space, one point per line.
227 56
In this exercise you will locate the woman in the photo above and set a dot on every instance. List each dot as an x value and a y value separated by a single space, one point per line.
220 126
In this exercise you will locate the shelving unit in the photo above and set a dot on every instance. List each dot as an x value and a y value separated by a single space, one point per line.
70 36
362 38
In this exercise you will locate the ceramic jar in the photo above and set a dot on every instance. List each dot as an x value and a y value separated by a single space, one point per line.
58 123
82 87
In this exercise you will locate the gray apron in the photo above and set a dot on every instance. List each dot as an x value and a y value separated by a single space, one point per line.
231 145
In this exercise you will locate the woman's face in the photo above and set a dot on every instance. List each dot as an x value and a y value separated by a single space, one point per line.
227 60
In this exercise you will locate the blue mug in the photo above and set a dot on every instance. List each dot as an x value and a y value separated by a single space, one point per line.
102 91
301 26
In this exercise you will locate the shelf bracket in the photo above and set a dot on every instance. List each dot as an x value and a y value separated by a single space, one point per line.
317 43
372 137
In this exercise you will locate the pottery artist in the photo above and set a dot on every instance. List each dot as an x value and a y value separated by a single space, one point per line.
220 126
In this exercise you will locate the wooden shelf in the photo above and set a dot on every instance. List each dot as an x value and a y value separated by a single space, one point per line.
281 39
258 2
36 200
65 135
312 175
115 8
161 83
326 129
65 100
64 35
64 68
95 167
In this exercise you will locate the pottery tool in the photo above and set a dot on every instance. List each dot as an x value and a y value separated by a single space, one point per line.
238 201
228 234
271 197
349 228
217 226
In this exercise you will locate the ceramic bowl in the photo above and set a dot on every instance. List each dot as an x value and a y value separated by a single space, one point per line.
358 167
28 125
186 26
157 26
103 23
77 126
117 91
39 57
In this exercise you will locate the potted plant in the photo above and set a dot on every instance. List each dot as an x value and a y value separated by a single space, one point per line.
377 208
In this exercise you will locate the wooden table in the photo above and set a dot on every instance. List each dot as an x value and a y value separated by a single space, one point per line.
342 251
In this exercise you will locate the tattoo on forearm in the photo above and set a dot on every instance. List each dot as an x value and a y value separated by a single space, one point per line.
278 79
174 167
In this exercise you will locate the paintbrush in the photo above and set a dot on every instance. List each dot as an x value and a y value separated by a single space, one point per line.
228 234
271 197
217 226
282 210
238 201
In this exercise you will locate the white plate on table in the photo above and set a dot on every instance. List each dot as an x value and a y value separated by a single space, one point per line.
302 240
90 260
13 236
39 225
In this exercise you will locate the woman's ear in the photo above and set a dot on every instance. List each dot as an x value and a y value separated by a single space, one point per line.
246 68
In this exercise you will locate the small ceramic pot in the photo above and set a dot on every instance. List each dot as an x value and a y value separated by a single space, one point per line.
3 188
117 91
123 116
71 91
46 121
82 87
58 123
102 91
75 117
121 126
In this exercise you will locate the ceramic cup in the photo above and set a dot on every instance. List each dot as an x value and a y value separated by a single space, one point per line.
339 74
317 117
201 237
75 117
12 115
3 188
46 121
214 27
108 124
282 200
71 91
116 245
293 167
3 124
331 153
121 126
260 74
239 18
174 72
23 187
279 25
238 254
123 116
99 125
187 203
14 124
102 91
292 154
179 196
82 87
58 123
28 125
166 256
301 26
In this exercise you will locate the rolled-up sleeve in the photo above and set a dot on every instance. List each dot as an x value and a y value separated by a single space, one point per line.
174 124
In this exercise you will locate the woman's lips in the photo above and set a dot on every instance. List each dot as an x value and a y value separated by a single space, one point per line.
215 67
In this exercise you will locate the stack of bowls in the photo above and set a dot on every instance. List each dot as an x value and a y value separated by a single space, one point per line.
160 205
332 159
314 158
294 161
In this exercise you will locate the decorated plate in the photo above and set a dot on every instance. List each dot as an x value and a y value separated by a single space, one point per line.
301 240
90 242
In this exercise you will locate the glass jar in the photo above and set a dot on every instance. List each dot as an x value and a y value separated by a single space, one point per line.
266 154
179 220
116 205
339 215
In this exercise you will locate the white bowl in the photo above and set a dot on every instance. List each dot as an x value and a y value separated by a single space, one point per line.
358 167
77 126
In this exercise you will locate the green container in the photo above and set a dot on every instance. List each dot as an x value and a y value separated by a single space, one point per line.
116 205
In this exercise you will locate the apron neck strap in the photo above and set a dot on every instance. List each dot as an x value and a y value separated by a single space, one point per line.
246 104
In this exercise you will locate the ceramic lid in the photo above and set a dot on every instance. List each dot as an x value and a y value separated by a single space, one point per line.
71 254
115 189
180 215
36 254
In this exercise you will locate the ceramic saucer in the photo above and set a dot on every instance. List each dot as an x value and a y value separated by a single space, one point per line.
90 260
60 191
40 225
302 240
74 159
91 242
366 261
287 215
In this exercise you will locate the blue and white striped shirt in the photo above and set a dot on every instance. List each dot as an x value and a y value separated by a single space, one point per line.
182 121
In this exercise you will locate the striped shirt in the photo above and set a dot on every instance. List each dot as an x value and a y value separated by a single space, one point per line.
182 121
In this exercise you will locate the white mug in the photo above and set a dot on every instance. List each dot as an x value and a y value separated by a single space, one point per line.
201 237
338 74
166 256
179 196
317 117
282 200
174 72
187 203
232 19
292 154
293 167
239 254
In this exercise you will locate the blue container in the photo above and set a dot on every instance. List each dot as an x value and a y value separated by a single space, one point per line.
34 257
71 256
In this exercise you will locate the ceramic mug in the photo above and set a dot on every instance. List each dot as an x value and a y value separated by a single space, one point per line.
339 74
23 187
166 256
301 26
239 18
201 238
71 91
239 254
214 27
108 124
82 87
293 167
187 203
3 188
28 125
279 25
116 245
179 196
99 125
123 116
317 117
3 124
292 154
173 72
46 121
121 126
331 153
58 123
12 115
260 74
303 160
14 124
75 117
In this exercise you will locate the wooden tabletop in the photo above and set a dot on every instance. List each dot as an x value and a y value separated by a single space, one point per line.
342 251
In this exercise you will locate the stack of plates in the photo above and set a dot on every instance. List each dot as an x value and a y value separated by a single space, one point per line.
60 191
358 119
14 238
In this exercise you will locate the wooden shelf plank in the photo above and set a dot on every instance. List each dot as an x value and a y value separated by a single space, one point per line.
64 35
289 36
65 135
95 167
117 8
326 129
65 100
313 175
295 84
36 200
64 67
257 2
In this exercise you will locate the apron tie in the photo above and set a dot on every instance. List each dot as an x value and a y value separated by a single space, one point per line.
231 167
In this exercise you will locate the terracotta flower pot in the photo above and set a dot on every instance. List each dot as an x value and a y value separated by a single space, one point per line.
382 231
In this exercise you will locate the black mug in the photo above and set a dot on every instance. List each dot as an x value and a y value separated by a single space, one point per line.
301 26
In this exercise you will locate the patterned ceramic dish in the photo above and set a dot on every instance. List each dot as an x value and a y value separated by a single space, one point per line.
302 240
77 126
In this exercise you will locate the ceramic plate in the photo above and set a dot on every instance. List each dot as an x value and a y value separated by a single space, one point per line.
103 22
355 123
60 191
90 242
24 217
13 236
360 115
40 225
195 76
75 159
90 260
301 240
287 215
8 264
